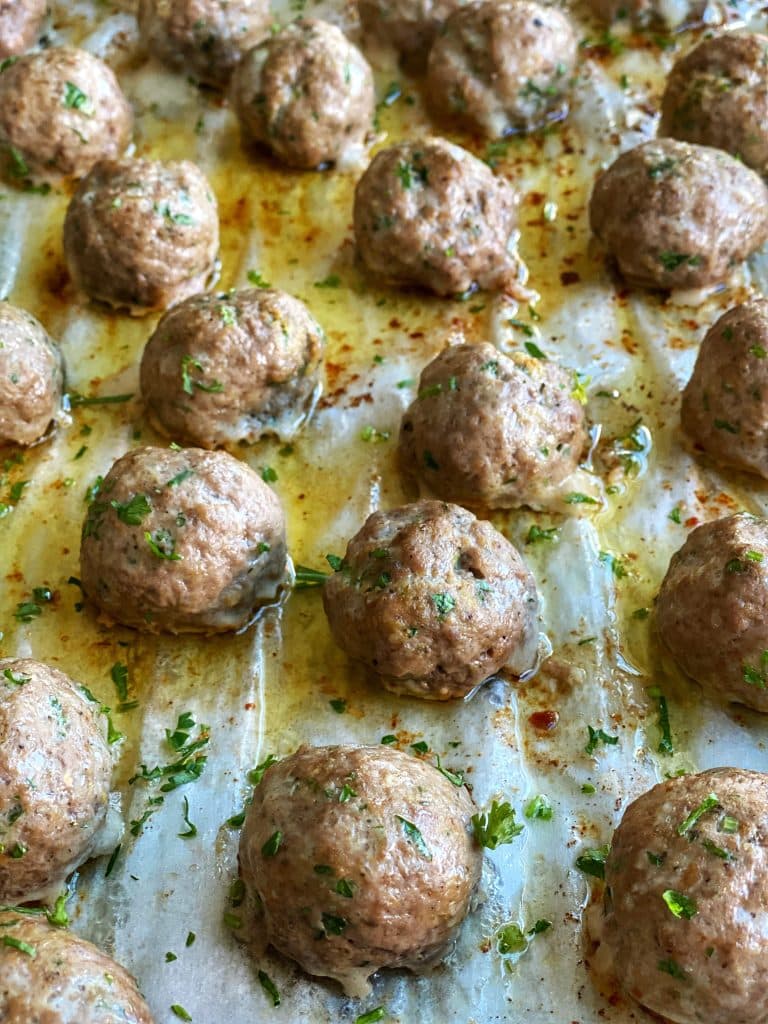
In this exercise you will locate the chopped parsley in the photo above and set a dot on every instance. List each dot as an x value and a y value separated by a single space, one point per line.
597 736
162 545
707 804
191 829
333 924
414 836
673 968
538 533
269 987
180 1012
371 1016
75 99
592 861
539 807
272 845
306 577
576 498
20 945
665 743
679 904
134 511
189 383
339 705
444 603
496 826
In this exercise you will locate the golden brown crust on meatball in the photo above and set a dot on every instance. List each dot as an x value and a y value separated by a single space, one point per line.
31 377
19 23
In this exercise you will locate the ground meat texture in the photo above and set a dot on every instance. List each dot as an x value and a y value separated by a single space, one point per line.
408 25
182 541
51 976
365 848
433 601
502 67
676 215
725 403
204 38
19 24
670 13
492 431
710 611
31 377
55 769
142 234
431 214
61 110
307 94
686 897
718 96
232 367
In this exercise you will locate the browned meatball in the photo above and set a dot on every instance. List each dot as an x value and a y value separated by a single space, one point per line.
50 976
19 23
307 94
492 431
687 898
361 858
31 377
182 541
718 95
55 769
672 13
502 67
232 367
433 601
725 403
431 214
710 611
142 234
676 215
408 25
204 38
61 110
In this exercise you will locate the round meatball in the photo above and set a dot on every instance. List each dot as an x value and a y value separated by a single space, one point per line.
232 367
675 14
433 601
365 848
55 769
710 610
492 431
20 21
431 214
50 975
686 897
725 403
182 541
61 110
204 38
142 234
676 215
502 67
31 377
408 25
718 96
307 94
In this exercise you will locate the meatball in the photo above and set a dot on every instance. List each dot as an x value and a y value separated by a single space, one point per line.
50 975
142 233
55 769
433 601
20 21
204 38
502 67
675 15
61 111
710 610
408 25
431 214
31 377
725 403
365 848
686 897
307 94
493 431
233 367
718 96
676 215
182 541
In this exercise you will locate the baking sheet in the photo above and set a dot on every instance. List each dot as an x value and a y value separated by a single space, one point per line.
269 689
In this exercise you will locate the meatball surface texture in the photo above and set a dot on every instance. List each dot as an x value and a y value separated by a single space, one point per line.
307 94
362 857
493 431
142 234
502 67
717 95
51 976
677 215
408 25
31 377
687 876
430 214
182 541
20 21
649 12
710 611
725 403
203 38
433 601
232 367
55 770
61 110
